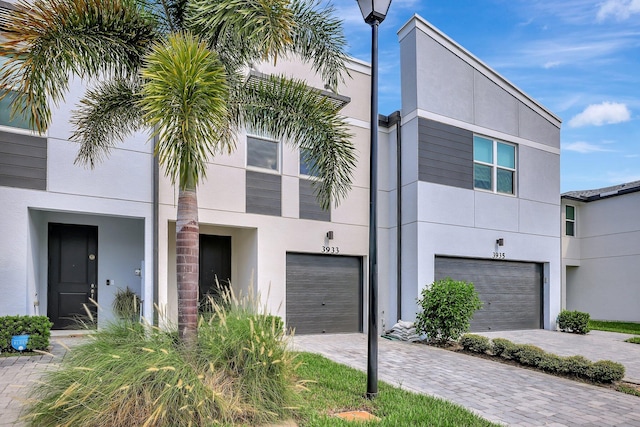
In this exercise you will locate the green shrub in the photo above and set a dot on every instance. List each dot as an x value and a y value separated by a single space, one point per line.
528 354
573 321
37 327
633 340
447 308
605 371
475 343
503 347
552 363
130 374
577 365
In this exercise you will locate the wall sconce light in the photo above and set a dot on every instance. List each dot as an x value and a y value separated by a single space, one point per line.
500 242
330 235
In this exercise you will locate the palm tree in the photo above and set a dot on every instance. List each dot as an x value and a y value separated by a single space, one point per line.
178 67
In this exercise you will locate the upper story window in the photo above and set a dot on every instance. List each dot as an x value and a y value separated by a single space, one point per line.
18 120
306 166
494 165
570 220
263 153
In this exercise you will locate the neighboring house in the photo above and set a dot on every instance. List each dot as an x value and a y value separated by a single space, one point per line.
69 233
479 201
261 226
601 252
480 187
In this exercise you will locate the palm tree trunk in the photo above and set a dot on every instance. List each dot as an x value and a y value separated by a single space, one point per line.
187 264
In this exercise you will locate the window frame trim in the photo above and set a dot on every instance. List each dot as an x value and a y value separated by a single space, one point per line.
574 221
495 166
253 135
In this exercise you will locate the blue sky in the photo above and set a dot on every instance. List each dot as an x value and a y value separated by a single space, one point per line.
579 58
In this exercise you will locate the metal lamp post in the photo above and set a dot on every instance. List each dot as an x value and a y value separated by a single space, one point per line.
373 12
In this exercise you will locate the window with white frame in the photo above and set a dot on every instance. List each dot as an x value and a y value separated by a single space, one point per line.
494 165
306 165
263 153
18 120
570 220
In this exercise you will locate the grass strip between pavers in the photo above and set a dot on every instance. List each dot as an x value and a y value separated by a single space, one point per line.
334 388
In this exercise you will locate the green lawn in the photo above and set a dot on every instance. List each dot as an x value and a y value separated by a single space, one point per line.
622 327
336 388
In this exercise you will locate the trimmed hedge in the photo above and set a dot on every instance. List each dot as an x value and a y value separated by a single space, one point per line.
574 321
475 343
37 327
503 347
603 371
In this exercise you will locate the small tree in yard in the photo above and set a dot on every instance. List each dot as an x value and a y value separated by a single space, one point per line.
447 308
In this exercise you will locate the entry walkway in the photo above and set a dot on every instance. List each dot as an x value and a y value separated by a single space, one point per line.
19 373
498 392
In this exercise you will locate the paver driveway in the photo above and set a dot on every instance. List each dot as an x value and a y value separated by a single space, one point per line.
498 392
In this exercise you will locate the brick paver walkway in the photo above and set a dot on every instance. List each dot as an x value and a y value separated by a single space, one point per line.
18 374
498 392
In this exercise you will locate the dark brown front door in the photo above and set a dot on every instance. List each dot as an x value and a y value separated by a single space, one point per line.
73 273
215 262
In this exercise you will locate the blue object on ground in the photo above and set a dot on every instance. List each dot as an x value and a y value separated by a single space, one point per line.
19 342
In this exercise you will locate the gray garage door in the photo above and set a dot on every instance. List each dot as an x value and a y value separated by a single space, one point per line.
324 293
511 292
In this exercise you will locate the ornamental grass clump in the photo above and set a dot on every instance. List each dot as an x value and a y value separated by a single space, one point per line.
247 345
130 374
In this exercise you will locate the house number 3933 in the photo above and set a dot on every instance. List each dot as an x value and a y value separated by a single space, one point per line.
499 255
330 250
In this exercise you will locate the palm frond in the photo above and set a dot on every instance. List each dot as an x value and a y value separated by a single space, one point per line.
107 114
184 98
318 38
289 109
245 30
48 41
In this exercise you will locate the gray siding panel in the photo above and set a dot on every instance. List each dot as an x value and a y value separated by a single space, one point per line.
309 207
511 292
324 293
23 161
264 193
445 154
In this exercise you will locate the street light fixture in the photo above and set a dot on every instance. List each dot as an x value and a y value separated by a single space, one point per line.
373 12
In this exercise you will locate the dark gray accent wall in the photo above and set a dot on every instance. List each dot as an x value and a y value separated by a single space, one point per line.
445 154
23 161
264 193
309 207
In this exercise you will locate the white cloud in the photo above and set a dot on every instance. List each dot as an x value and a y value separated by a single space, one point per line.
601 114
551 64
619 9
583 147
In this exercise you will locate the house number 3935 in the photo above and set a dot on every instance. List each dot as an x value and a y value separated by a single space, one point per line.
330 250
499 255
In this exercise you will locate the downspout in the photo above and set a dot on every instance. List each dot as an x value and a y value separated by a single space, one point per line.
156 215
398 121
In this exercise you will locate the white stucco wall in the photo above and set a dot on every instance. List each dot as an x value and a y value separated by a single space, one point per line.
116 196
605 280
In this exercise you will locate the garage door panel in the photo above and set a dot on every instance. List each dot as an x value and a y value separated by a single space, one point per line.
511 292
324 293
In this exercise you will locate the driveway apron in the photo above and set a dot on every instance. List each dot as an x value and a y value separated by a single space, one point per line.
498 392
